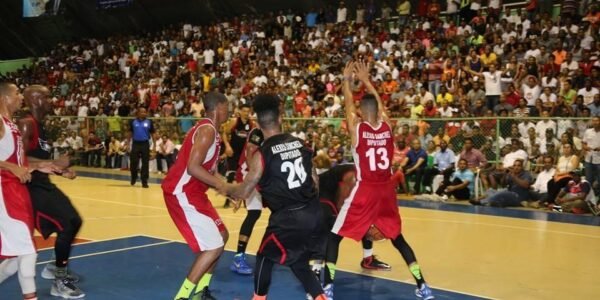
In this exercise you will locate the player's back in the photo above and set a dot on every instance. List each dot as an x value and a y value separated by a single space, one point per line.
330 180
178 180
287 177
373 152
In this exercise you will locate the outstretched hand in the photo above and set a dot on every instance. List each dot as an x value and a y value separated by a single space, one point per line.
361 69
349 70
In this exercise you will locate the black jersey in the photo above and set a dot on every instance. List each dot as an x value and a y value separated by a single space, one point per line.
239 135
38 147
287 176
329 181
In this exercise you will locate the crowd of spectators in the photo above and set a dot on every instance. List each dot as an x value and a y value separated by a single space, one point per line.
431 61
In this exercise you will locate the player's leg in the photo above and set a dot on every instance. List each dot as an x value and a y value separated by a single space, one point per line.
204 261
333 246
26 274
8 267
57 214
370 261
408 254
202 291
310 283
262 277
254 206
318 245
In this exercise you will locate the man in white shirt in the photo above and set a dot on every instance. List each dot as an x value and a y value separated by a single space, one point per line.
342 12
540 186
164 150
588 92
542 126
531 91
569 64
591 147
209 57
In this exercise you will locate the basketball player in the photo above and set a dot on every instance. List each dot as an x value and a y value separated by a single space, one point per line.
184 189
372 201
51 206
17 250
253 205
234 139
282 169
335 185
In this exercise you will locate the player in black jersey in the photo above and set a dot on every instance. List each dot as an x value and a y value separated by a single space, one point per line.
234 138
53 210
335 186
283 172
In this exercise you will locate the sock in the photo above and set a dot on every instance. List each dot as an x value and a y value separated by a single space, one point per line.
367 253
329 273
316 266
241 248
60 272
186 289
415 270
204 282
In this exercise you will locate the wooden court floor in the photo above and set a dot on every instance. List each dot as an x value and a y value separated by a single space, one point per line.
487 256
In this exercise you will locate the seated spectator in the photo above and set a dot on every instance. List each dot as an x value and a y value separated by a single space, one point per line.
518 184
577 197
415 163
165 149
93 151
113 154
515 154
542 182
443 163
461 185
475 159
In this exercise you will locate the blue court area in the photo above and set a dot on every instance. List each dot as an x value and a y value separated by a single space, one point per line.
141 267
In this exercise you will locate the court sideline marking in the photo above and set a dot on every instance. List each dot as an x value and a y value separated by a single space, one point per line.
406 218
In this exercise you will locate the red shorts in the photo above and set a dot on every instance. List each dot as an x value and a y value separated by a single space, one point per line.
16 220
197 220
369 204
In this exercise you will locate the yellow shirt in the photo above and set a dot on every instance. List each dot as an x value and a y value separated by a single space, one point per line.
488 59
448 97
403 8
417 111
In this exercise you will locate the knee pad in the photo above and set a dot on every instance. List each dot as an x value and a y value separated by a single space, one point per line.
27 272
8 267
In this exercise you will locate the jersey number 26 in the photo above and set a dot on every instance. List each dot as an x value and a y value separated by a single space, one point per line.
297 173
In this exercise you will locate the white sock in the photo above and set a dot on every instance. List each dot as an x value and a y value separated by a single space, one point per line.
367 252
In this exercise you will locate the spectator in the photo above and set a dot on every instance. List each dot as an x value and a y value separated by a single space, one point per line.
591 147
577 197
461 185
518 183
475 159
165 150
415 163
443 163
93 151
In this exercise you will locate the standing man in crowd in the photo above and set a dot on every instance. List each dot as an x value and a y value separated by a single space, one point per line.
53 210
591 147
142 130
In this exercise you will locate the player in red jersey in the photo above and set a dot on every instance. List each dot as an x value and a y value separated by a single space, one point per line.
372 201
184 190
17 251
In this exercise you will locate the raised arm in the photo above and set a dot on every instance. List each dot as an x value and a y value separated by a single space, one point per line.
362 72
349 107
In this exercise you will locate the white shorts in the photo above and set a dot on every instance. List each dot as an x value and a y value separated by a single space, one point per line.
254 201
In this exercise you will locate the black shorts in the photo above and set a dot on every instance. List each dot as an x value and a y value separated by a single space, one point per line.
318 248
289 234
52 209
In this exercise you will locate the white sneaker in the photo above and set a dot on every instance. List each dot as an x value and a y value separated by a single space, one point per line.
64 288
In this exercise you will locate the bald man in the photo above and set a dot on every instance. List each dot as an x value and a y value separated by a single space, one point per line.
52 208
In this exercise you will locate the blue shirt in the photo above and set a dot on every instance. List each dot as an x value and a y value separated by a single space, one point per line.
311 19
523 193
185 123
142 129
466 175
443 160
413 156
594 110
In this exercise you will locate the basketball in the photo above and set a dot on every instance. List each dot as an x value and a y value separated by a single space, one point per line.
374 234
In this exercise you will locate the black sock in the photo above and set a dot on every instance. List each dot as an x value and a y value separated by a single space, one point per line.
241 248
410 259
333 245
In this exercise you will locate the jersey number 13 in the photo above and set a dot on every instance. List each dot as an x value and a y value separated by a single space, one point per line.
378 159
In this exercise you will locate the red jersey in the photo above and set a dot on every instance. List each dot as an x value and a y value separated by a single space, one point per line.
255 137
11 150
373 152
178 180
